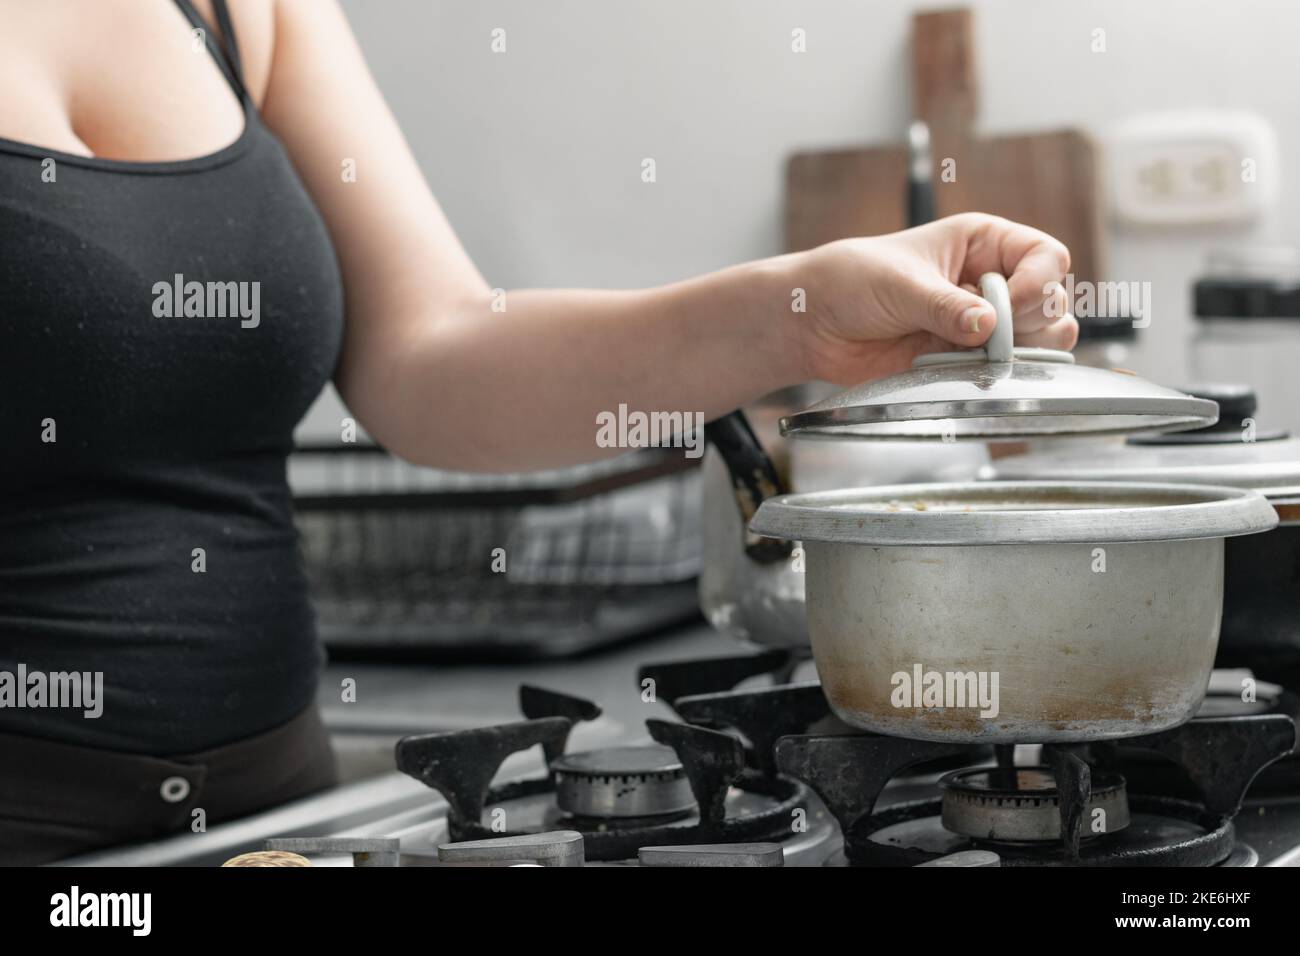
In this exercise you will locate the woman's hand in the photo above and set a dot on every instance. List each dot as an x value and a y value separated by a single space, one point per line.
875 304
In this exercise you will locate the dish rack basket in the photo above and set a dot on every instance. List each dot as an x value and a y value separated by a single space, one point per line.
411 560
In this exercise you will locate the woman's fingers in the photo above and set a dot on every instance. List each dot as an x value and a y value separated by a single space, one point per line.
1035 278
1034 317
1054 306
1034 263
1060 333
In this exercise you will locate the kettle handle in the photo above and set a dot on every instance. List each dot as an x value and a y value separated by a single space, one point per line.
754 478
1001 344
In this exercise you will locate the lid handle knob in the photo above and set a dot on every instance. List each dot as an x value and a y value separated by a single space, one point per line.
1000 346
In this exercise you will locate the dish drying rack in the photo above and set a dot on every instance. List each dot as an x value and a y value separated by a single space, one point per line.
405 560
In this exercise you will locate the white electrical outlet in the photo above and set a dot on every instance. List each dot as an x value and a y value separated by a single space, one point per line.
1192 167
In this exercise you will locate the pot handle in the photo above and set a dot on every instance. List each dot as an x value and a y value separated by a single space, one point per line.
753 479
1000 346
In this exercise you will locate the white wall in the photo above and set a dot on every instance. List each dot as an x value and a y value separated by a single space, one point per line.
536 154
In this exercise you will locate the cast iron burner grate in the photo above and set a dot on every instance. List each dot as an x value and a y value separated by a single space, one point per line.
1220 757
1281 778
461 765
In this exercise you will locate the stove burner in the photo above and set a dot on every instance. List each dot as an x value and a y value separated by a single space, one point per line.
1162 832
1219 756
728 801
622 782
1023 804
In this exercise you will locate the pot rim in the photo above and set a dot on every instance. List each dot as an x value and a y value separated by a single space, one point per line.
1095 512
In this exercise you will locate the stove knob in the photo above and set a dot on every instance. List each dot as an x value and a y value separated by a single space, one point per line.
714 854
554 848
967 858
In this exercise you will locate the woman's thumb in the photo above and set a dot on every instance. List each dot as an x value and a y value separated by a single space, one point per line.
959 315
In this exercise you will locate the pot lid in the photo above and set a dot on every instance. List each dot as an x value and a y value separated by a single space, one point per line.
1233 453
1013 512
1000 392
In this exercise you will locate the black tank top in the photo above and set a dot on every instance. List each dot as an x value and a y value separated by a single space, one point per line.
163 328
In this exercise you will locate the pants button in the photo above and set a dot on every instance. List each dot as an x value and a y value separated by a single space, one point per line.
174 789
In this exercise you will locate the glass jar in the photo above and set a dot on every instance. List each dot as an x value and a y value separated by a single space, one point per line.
1247 311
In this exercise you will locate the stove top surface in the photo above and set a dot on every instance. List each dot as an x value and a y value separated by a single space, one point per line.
795 814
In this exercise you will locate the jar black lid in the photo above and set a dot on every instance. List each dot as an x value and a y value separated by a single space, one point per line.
1246 299
1106 328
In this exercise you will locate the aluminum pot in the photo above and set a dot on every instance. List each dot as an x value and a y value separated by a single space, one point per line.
1015 612
1261 604
920 416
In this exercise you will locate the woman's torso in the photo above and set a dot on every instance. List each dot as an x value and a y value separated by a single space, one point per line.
146 418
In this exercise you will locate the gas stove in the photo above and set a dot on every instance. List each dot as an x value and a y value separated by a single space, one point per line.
768 776
756 771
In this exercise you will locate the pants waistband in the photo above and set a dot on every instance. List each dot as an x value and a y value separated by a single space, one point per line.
101 797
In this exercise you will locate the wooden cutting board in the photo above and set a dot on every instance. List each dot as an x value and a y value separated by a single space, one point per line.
1048 180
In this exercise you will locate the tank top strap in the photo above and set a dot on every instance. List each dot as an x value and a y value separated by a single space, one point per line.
227 56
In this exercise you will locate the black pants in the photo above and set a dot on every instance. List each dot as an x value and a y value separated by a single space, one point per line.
58 800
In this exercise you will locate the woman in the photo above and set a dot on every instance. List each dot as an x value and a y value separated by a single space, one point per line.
197 230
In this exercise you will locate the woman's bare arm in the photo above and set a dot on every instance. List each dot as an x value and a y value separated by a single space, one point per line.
441 377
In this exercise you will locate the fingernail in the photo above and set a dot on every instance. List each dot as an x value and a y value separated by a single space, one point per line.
970 319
